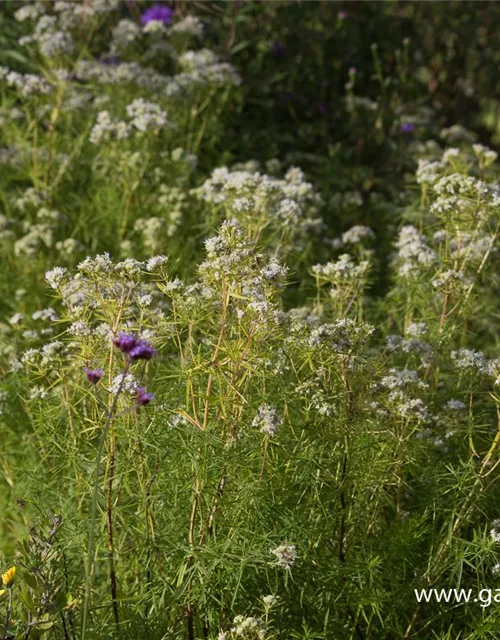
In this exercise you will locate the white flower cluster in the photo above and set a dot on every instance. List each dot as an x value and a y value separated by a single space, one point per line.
38 236
56 277
495 530
455 405
190 25
357 234
30 11
429 171
151 231
290 203
251 628
485 156
457 133
126 384
316 397
28 84
107 128
146 116
410 408
209 72
98 264
124 33
416 329
457 184
420 348
155 263
473 361
49 37
344 269
413 252
286 555
341 336
267 420
143 116
450 279
31 198
399 378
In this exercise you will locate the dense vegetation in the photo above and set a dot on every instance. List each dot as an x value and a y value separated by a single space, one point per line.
249 320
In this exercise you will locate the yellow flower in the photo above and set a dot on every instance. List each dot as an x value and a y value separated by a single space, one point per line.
8 577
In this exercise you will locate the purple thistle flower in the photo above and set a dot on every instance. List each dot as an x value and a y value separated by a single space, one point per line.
134 347
143 397
341 15
125 342
93 375
407 127
142 351
159 12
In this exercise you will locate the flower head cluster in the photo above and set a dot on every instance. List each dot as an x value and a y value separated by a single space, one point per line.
133 347
248 628
143 397
267 420
290 204
495 530
28 84
286 555
93 375
146 115
159 12
413 252
472 361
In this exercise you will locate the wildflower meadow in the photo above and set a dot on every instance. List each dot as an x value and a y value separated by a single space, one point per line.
249 320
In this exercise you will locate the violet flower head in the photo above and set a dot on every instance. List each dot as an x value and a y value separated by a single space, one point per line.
278 48
407 127
135 348
125 341
323 107
159 12
112 61
142 351
143 397
93 375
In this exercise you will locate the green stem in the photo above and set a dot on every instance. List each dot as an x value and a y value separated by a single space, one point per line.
7 615
93 517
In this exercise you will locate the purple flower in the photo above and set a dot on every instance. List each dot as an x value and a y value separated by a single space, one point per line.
134 347
407 127
288 96
142 351
352 71
143 397
111 60
93 375
323 107
125 342
278 48
341 15
159 12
